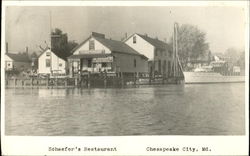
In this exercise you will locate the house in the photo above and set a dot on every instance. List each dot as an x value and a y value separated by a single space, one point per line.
99 54
18 62
158 52
51 63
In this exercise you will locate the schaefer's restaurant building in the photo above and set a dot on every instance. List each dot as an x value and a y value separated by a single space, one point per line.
98 54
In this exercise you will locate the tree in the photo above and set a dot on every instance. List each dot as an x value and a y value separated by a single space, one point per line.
60 43
241 60
232 55
191 43
34 55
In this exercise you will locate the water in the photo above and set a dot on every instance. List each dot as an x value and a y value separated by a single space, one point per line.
206 109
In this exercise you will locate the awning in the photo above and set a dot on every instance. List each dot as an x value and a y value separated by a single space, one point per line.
80 56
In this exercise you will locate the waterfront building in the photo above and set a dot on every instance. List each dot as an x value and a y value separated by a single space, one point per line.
51 63
18 61
98 54
158 52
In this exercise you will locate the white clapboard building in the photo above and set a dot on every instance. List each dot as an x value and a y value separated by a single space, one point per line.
158 52
50 63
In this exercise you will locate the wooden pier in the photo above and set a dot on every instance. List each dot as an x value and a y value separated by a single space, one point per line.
88 81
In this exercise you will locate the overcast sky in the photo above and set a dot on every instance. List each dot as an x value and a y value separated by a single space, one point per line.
30 26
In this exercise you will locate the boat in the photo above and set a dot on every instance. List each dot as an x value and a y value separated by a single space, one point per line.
208 74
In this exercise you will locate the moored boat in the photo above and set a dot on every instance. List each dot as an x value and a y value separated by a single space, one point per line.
207 74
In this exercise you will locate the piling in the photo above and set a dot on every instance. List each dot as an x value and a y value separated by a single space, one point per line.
122 79
14 82
88 80
105 79
66 82
56 82
75 81
47 83
31 83
134 78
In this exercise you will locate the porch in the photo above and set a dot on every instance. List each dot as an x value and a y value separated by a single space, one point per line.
90 63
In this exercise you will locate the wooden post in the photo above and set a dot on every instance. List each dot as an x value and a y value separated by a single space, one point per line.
15 82
31 83
150 77
66 82
122 79
105 79
88 79
163 79
47 83
56 81
75 81
135 78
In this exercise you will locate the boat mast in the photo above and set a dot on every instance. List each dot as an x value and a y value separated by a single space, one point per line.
176 65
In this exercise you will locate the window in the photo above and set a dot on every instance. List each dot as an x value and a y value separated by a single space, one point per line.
159 66
134 39
104 64
169 67
47 62
134 62
91 45
60 64
8 64
89 63
169 53
47 53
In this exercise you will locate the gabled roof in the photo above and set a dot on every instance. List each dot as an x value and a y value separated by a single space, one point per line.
117 46
112 45
19 57
57 54
154 42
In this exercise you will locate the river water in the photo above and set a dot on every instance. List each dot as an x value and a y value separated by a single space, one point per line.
200 109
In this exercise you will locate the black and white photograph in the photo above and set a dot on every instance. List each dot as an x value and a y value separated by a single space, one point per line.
117 71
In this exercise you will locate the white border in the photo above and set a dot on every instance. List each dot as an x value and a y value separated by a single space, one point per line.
126 145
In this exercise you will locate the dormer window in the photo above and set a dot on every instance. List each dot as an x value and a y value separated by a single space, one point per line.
134 39
91 45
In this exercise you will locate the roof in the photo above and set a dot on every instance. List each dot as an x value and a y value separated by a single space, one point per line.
155 42
19 57
57 54
112 45
117 46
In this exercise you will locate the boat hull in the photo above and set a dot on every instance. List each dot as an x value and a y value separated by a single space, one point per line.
210 77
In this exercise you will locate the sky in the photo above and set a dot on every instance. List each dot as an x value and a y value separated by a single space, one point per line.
30 25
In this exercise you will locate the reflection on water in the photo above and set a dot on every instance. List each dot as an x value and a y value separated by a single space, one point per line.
207 109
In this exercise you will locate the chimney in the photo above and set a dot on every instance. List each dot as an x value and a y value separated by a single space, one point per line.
126 35
26 50
7 48
95 34
146 34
